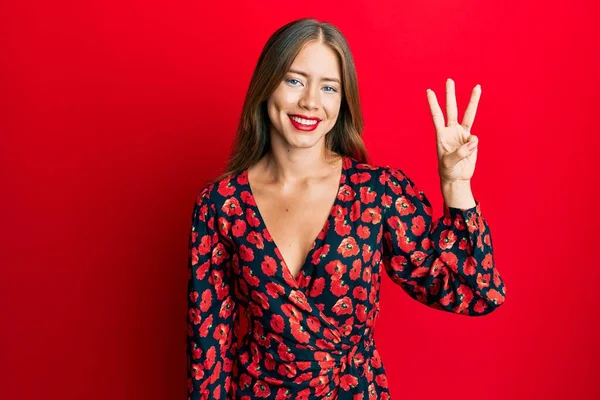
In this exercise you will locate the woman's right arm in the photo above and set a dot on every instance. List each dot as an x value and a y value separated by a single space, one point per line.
211 344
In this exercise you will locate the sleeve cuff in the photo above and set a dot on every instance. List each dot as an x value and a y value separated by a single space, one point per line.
467 213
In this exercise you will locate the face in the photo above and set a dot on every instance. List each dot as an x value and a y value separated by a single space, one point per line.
312 89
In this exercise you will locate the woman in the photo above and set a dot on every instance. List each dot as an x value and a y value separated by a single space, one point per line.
299 227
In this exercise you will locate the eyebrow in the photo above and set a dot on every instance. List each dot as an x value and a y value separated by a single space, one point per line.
306 75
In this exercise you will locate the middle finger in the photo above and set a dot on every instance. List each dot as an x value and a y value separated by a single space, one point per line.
451 108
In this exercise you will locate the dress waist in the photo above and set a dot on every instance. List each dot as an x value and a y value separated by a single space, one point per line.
337 369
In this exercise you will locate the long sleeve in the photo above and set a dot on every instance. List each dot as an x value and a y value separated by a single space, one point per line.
211 344
447 264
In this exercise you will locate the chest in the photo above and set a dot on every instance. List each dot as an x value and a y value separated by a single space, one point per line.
295 219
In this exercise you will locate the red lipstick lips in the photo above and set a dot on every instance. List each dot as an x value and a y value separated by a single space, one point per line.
304 127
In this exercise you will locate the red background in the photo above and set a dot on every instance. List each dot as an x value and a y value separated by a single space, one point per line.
114 114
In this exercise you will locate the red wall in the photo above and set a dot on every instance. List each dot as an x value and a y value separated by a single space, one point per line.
113 115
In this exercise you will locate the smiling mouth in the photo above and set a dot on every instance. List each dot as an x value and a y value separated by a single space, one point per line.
303 124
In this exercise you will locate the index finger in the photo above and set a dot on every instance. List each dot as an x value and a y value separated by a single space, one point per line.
436 111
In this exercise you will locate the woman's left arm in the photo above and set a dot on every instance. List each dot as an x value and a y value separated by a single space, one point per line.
447 263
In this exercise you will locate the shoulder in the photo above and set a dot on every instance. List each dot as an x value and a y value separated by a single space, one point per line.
217 192
380 176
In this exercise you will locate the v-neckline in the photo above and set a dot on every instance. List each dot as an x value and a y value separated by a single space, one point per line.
327 222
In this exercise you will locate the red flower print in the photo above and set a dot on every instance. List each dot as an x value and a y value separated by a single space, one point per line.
231 207
261 389
356 268
469 267
284 353
227 307
288 370
417 258
447 239
283 394
197 371
221 333
363 232
219 254
202 270
418 225
211 355
348 247
249 276
206 300
360 177
268 266
348 381
239 228
274 290
206 326
194 316
255 239
355 211
202 249
342 227
298 298
317 287
367 195
251 218
346 193
381 380
338 212
335 269
260 299
404 206
395 188
291 311
339 288
343 306
246 253
359 293
313 324
497 280
301 335
495 296
371 215
483 280
319 254
225 188
488 262
224 226
361 312
277 323
247 198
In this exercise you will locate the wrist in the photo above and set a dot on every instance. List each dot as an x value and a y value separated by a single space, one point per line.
458 194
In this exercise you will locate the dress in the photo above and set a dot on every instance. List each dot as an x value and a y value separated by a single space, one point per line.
312 337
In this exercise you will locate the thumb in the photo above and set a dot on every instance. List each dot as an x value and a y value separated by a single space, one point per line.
463 151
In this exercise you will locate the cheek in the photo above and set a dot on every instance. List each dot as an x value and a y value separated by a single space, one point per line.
332 108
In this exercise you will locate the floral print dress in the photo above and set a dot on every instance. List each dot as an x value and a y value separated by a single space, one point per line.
311 337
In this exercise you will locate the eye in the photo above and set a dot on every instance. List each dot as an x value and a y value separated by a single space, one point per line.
292 79
333 90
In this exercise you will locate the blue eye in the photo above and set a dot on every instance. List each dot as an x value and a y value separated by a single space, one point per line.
292 80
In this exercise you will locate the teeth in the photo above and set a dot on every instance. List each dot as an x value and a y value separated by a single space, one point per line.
303 121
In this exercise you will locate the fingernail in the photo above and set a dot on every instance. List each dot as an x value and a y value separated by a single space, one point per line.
472 145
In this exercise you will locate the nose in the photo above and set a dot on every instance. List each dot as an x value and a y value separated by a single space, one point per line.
310 99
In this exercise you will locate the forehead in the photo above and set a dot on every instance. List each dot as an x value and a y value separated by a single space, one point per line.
317 59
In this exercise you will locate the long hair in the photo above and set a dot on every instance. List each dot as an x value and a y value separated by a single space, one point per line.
252 139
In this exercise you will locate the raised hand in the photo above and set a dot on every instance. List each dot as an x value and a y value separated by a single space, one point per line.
456 146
